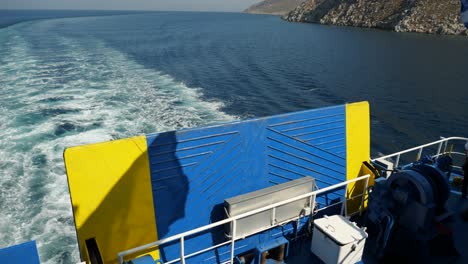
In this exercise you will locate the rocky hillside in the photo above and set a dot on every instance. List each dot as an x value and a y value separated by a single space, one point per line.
426 16
274 7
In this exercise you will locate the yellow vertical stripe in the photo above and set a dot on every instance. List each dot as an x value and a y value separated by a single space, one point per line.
357 147
111 194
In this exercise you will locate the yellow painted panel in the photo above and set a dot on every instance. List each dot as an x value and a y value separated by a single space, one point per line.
111 194
357 148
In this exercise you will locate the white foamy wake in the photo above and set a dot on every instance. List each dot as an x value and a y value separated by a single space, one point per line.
81 91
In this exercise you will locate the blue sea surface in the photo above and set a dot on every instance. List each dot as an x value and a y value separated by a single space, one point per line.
11 17
100 76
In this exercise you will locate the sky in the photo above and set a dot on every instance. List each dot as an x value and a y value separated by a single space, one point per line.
176 5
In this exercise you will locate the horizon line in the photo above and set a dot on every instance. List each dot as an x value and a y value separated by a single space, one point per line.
117 10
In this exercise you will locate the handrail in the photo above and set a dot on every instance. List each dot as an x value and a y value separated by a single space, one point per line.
234 219
420 148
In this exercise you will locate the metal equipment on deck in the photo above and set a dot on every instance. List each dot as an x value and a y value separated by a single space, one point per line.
264 197
338 240
407 211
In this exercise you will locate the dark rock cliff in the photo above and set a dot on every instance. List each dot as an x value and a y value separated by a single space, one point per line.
425 16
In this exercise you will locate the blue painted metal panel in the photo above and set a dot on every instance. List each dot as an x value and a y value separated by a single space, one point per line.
193 171
311 143
25 253
147 259
325 130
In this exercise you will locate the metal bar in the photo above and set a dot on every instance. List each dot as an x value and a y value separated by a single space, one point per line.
458 153
439 148
345 203
172 261
364 195
328 206
397 162
302 120
355 213
189 148
205 250
453 153
318 131
233 239
311 202
181 158
194 139
176 167
308 126
340 202
418 147
182 257
356 196
419 154
237 217
273 215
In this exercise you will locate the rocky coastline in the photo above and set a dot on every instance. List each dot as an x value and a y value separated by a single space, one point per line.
423 16
274 7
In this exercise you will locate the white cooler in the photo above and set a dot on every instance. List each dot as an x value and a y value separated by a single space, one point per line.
338 240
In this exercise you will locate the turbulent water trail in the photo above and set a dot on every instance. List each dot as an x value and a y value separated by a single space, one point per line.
74 91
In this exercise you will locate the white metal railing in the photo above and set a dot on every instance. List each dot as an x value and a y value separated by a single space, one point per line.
441 150
233 221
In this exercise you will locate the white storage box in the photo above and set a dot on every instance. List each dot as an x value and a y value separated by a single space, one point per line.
338 240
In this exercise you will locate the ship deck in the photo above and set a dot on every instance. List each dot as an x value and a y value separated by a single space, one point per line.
459 227
442 252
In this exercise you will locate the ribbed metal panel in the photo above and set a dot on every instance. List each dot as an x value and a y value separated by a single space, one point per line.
194 171
325 130
311 143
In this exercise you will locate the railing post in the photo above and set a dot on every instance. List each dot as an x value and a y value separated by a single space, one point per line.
233 239
438 149
364 195
182 249
343 206
397 161
312 203
419 154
